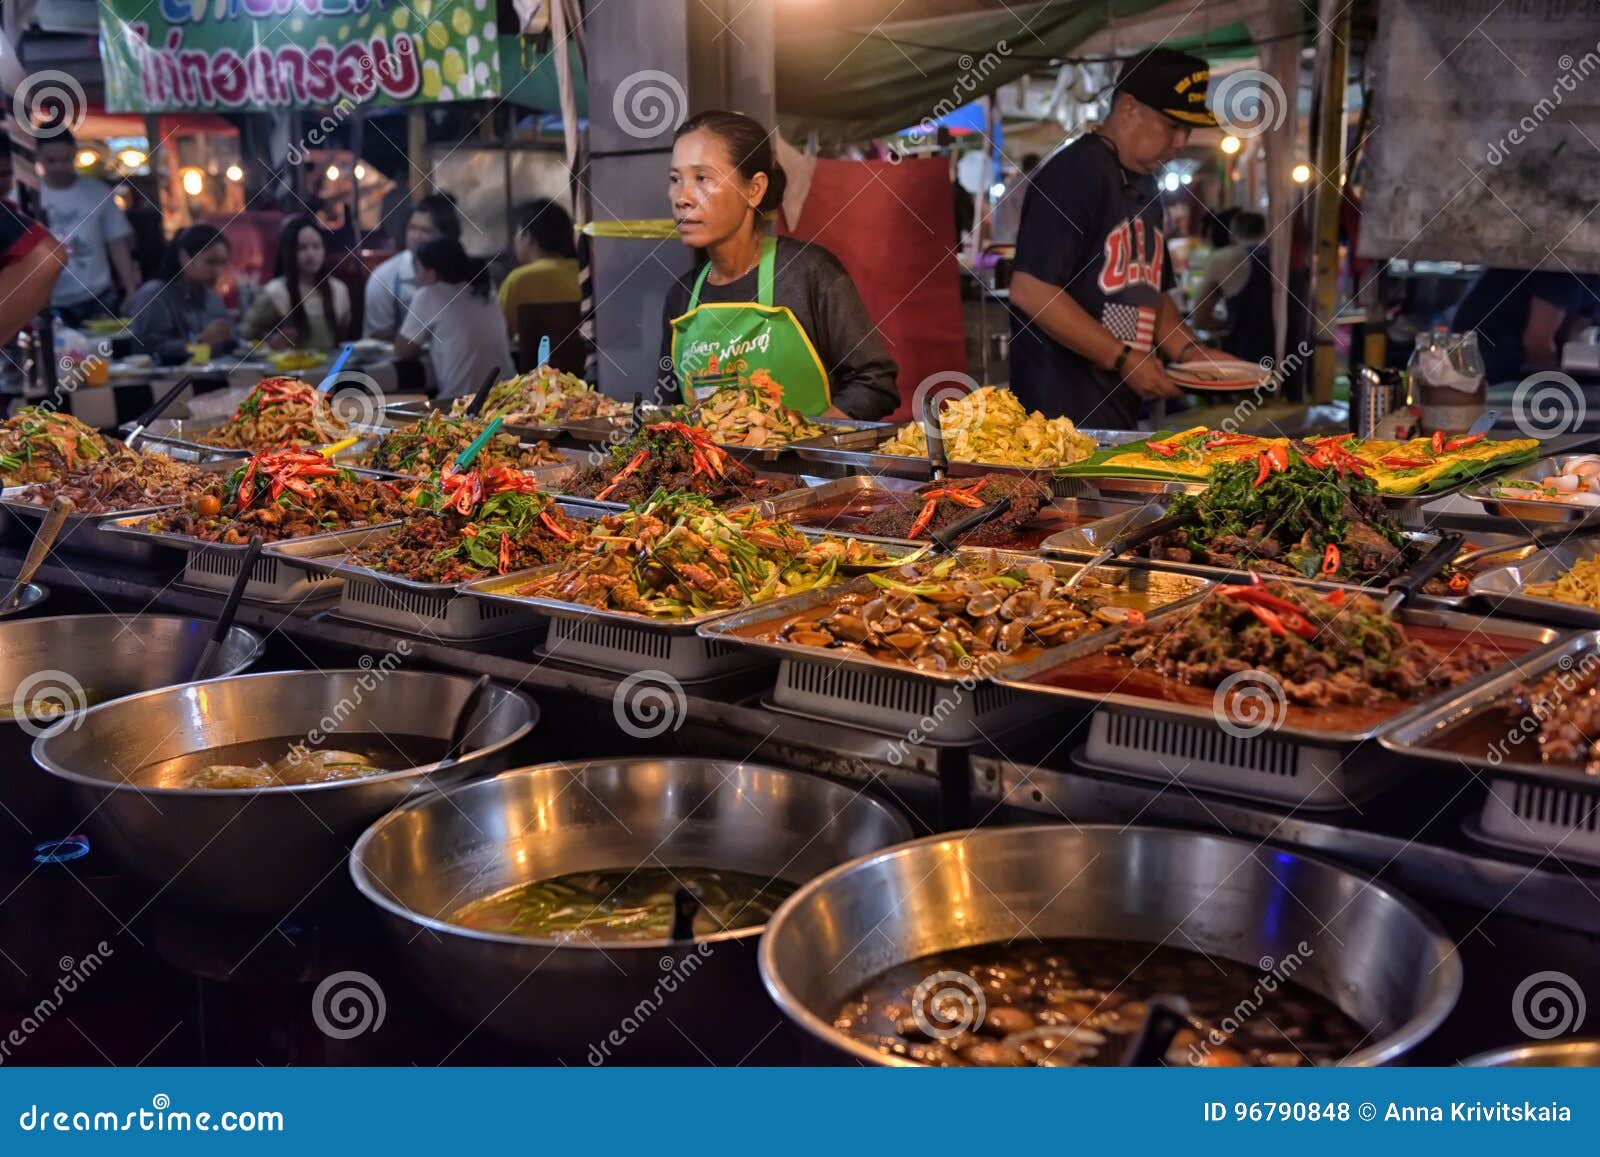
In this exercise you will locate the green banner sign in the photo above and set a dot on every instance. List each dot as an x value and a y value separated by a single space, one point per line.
236 55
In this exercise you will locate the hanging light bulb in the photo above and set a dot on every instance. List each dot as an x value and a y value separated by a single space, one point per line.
234 173
194 181
1231 144
1300 174
332 172
360 171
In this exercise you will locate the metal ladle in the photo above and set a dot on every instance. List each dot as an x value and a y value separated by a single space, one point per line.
54 519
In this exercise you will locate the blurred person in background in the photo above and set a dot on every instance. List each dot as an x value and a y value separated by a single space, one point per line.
30 262
452 321
394 283
1518 316
83 213
181 307
1235 293
547 261
304 304
1006 216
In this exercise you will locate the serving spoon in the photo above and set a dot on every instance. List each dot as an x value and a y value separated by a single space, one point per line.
1126 541
458 730
230 607
55 518
478 399
1165 1017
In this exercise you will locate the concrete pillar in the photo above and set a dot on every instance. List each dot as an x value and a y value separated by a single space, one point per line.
652 63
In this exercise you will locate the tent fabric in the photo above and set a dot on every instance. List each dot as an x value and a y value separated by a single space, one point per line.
893 226
851 83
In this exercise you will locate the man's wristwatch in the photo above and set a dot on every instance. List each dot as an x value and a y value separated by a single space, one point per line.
1122 359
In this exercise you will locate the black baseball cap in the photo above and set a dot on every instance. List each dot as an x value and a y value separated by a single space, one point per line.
1171 82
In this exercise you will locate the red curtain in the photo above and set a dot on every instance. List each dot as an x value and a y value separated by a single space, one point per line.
893 226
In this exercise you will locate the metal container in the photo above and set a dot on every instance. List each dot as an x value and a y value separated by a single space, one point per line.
1553 1054
1502 586
1259 755
1382 960
179 437
404 413
1480 490
570 999
264 849
1374 394
75 661
862 453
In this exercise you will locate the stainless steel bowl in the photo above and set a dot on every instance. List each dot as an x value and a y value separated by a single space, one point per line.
264 850
86 659
32 595
1565 1054
645 1000
1382 960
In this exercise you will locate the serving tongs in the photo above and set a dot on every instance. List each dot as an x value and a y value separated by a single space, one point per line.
1165 1017
1401 589
938 460
55 518
230 607
1538 540
475 407
163 404
944 540
1126 541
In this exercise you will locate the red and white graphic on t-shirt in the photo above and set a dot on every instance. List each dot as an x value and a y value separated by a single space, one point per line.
1134 253
1134 324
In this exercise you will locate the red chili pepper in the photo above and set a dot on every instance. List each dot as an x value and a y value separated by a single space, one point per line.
556 528
1135 617
1464 441
1274 624
1316 459
1263 468
1334 598
1162 449
1279 455
1459 583
1330 559
924 518
1438 442
1398 462
505 553
633 464
1259 596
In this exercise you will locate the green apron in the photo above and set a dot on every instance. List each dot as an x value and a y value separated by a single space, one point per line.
716 344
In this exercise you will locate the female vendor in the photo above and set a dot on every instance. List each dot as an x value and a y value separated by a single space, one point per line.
758 302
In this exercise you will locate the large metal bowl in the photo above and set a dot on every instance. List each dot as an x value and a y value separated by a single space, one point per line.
1562 1054
1374 954
86 659
27 600
264 850
646 1001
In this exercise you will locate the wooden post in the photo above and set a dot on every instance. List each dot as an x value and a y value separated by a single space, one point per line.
1333 58
417 153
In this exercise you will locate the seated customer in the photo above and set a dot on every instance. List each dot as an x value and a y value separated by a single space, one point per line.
393 283
452 320
547 262
304 304
182 307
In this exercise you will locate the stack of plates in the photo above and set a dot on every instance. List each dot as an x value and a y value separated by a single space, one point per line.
1211 375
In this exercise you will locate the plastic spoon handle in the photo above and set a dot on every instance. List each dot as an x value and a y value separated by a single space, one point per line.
54 519
230 607
155 411
1430 564
469 705
464 459
335 369
544 351
475 406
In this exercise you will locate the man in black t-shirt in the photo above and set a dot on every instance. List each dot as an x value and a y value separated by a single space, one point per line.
1088 291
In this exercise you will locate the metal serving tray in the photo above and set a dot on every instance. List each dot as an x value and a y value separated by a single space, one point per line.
1500 588
892 698
1478 490
1531 806
177 436
213 565
82 532
404 413
1188 744
1083 542
839 433
376 598
867 458
620 642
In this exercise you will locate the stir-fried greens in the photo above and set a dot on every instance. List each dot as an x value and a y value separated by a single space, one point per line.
284 494
989 425
677 458
433 442
1332 648
279 412
675 557
1288 516
543 396
475 523
38 445
124 480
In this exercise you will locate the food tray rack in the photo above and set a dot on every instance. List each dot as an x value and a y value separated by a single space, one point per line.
213 566
1531 806
1479 490
1191 746
83 533
615 641
433 610
892 698
1500 588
